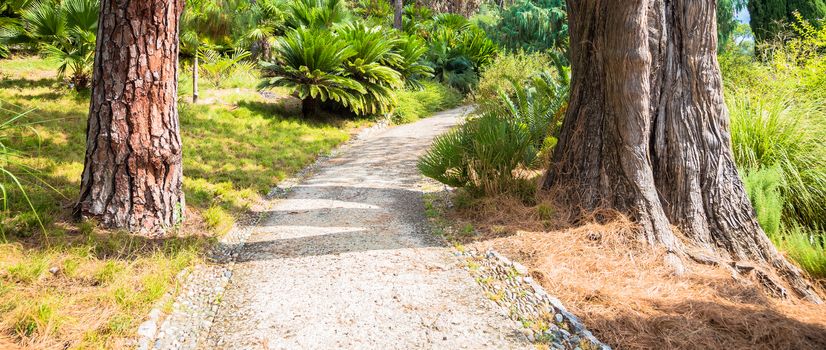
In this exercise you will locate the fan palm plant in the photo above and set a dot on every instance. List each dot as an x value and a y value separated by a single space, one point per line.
65 32
218 68
311 63
487 153
11 29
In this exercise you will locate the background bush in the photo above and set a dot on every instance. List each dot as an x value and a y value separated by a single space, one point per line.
497 150
415 104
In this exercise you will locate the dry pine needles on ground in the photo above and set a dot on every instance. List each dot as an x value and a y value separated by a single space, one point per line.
624 293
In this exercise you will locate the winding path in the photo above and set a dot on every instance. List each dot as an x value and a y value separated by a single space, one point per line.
347 261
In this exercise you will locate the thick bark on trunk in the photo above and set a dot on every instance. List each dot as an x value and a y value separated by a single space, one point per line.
132 174
646 131
397 14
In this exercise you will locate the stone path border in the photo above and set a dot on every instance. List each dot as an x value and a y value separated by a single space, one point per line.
509 285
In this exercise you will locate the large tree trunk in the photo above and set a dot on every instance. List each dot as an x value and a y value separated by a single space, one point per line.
397 14
647 132
132 174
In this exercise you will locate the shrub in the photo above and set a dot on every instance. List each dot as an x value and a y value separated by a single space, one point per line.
415 104
519 66
495 151
311 63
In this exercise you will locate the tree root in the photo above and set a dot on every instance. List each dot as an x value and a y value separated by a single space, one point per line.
790 273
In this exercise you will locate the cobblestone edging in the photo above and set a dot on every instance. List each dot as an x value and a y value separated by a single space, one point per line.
194 309
544 318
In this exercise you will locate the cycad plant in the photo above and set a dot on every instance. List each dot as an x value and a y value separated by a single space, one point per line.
373 48
311 63
458 51
317 13
410 61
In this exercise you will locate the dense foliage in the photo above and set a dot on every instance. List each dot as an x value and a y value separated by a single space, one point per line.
333 60
532 25
777 137
495 151
769 18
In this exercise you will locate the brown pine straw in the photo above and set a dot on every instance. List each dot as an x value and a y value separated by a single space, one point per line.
622 291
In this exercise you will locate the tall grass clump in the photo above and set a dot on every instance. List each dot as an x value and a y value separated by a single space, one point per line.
788 135
806 247
778 129
12 189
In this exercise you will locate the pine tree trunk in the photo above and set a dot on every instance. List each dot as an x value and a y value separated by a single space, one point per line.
646 132
397 14
132 174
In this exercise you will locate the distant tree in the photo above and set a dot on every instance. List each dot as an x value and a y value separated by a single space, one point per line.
132 173
461 7
768 16
646 133
397 13
727 21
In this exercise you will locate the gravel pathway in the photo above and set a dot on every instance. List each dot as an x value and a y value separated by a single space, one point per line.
346 260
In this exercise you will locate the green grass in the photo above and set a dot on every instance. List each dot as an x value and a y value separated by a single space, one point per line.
805 247
778 128
236 146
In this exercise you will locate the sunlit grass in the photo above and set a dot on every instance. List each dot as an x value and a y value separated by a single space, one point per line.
78 286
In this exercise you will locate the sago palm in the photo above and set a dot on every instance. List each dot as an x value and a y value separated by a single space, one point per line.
372 47
410 61
317 13
311 63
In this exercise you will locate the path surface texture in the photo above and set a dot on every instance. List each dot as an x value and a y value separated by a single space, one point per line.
346 261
